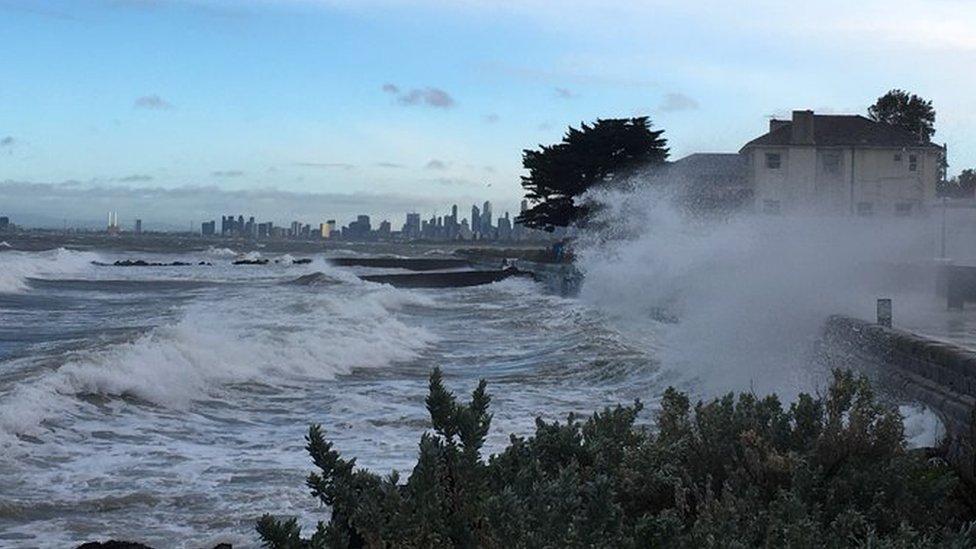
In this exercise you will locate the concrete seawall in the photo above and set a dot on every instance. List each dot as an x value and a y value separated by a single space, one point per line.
940 375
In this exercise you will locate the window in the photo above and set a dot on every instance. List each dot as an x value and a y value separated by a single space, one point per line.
772 161
865 209
912 163
897 157
771 207
903 209
831 163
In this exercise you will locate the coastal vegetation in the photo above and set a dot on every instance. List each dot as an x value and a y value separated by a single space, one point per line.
828 471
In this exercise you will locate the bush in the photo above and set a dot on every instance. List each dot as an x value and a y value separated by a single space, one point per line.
831 471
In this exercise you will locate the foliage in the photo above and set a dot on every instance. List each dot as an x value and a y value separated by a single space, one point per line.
828 472
905 110
590 156
960 186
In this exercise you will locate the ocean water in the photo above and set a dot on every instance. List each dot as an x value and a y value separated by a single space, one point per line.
168 405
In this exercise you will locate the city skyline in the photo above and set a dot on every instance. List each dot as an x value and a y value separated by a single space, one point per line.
175 108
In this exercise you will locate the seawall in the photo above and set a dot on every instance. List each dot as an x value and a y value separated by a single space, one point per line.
940 375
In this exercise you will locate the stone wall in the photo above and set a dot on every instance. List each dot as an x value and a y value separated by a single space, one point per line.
940 375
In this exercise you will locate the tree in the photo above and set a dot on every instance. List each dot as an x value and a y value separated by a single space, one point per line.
960 186
587 157
905 110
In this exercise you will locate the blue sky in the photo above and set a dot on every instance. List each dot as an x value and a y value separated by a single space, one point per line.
178 111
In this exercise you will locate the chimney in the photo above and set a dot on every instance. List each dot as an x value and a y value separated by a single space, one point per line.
802 128
775 124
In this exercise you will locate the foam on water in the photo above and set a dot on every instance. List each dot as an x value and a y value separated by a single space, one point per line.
284 336
17 267
750 293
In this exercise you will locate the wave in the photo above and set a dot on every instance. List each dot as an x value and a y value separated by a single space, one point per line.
281 339
18 267
220 252
317 278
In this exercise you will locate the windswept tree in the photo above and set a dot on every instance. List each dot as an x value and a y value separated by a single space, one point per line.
905 110
587 157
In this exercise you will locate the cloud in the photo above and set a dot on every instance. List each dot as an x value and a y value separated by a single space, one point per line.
563 93
388 165
431 97
153 103
136 178
85 204
8 141
491 118
547 125
435 165
677 102
326 165
227 173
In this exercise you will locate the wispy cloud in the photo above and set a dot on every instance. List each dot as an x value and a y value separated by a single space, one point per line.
435 165
491 118
136 178
430 97
564 93
392 165
326 165
677 102
227 173
153 103
8 141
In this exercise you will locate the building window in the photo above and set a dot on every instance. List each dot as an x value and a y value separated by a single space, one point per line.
772 161
897 157
771 207
831 163
903 209
912 163
865 209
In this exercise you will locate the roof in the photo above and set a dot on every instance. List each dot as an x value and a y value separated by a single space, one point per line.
831 130
711 164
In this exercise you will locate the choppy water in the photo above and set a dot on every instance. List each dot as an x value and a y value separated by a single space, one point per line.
168 404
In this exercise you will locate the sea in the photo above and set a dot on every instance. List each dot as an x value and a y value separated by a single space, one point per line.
168 404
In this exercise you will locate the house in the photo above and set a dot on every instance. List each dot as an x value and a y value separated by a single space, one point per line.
841 165
712 182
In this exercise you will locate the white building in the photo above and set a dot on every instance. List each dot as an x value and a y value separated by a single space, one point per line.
841 165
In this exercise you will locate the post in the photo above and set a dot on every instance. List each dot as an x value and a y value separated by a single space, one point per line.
884 312
942 255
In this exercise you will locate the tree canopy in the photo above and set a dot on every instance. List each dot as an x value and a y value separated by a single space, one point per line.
960 186
827 472
905 110
587 157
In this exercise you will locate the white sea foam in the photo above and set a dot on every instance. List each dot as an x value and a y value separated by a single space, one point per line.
750 293
281 338
17 267
923 428
220 252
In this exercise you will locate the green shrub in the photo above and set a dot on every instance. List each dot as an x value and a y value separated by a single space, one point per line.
828 472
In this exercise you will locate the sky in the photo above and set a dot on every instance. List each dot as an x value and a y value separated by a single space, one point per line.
180 111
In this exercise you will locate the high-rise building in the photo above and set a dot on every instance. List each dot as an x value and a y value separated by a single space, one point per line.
475 219
138 226
412 229
486 225
208 228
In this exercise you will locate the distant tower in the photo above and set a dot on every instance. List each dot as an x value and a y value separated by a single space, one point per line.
486 225
138 226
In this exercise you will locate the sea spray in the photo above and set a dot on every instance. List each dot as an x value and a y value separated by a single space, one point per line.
749 293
